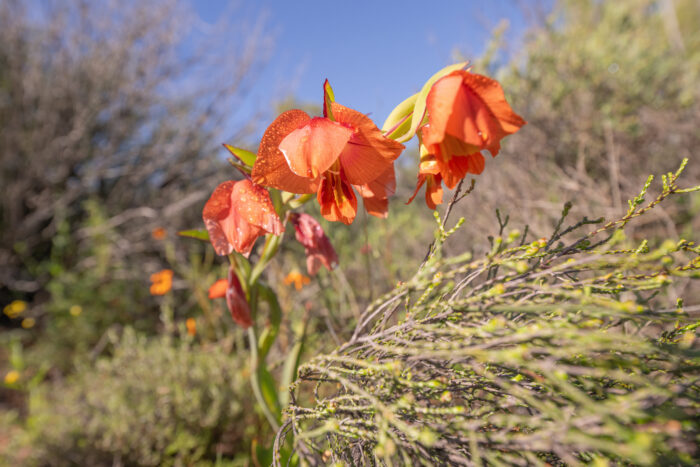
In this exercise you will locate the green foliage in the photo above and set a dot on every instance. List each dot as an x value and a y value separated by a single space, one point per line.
154 402
562 349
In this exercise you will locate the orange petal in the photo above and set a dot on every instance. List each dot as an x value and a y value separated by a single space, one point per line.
218 289
218 207
368 152
472 108
237 214
421 182
252 202
311 149
337 198
433 191
271 168
458 167
375 193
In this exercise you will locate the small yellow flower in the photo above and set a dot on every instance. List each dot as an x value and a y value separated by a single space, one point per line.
298 279
191 326
15 308
75 310
11 377
28 323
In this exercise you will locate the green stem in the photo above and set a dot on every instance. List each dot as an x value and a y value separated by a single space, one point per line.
255 379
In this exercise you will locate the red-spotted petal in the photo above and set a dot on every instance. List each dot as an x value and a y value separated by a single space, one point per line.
252 202
311 149
217 208
271 168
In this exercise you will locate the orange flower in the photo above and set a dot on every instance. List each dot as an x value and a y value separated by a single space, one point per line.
235 298
237 214
429 172
158 233
161 282
329 156
191 325
318 248
298 279
218 289
467 113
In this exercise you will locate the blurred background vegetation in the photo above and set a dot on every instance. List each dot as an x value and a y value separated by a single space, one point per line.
109 129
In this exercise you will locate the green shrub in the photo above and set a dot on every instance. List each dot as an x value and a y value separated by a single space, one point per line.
558 350
154 402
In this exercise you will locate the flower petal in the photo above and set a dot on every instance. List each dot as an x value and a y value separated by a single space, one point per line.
236 301
368 152
218 289
217 208
433 191
317 246
472 108
271 168
252 202
311 149
458 167
375 194
337 198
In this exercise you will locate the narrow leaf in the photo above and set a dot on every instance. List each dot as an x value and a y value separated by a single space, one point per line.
196 234
328 99
399 113
244 156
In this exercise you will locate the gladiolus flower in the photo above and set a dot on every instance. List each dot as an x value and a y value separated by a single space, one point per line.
329 156
218 289
161 282
318 248
236 300
467 113
298 279
237 214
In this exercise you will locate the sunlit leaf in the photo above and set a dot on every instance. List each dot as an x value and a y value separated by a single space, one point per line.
196 234
328 98
244 156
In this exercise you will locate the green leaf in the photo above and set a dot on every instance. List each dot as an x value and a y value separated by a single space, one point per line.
269 391
328 99
269 334
196 234
291 365
244 156
400 117
419 108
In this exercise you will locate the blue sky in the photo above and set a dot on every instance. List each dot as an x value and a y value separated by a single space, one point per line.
375 53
